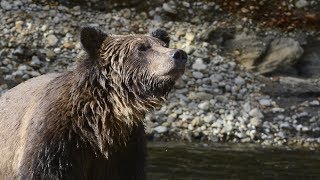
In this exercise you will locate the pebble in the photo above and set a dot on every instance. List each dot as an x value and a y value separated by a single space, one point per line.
265 102
227 128
52 40
221 98
195 121
200 95
314 103
35 61
256 113
216 78
18 25
209 118
190 37
68 45
161 129
50 53
239 81
229 117
277 109
22 67
186 4
302 3
166 7
197 75
204 105
285 125
34 73
217 124
247 107
6 5
189 49
198 64
255 121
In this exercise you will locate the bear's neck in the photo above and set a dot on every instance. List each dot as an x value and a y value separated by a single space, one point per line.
105 117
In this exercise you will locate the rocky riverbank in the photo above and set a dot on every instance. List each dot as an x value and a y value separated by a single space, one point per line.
245 81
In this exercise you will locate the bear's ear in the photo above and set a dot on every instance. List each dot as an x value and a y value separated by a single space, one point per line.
162 35
91 39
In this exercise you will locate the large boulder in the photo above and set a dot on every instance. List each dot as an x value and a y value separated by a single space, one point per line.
282 53
264 54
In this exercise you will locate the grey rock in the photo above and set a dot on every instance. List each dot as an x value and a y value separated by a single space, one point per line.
189 37
50 53
239 80
252 48
196 121
186 4
227 128
303 114
314 103
217 124
190 49
168 8
277 109
209 118
201 53
180 84
256 113
216 78
161 129
301 3
265 102
229 117
17 73
255 121
221 98
283 53
204 105
198 64
200 96
35 61
23 67
6 5
280 116
25 76
51 40
19 51
197 75
247 107
34 73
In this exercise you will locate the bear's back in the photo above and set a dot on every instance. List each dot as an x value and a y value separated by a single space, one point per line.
17 106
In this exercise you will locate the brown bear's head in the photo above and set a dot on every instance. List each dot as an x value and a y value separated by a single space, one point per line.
139 65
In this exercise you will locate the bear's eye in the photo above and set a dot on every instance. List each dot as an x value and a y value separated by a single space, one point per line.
143 47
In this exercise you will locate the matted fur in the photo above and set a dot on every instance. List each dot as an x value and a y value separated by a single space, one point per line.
86 123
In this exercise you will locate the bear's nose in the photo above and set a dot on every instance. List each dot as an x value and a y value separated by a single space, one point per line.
180 56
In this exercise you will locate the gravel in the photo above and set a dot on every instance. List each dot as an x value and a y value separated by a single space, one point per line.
215 100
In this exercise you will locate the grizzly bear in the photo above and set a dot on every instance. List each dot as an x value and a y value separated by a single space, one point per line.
87 123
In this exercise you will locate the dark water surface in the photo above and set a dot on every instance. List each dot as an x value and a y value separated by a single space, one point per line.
225 161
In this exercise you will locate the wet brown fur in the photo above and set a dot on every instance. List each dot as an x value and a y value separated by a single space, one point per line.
85 123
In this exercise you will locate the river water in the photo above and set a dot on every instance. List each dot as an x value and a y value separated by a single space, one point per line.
171 161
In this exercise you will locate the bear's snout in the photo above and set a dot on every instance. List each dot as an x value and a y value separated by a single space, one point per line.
179 56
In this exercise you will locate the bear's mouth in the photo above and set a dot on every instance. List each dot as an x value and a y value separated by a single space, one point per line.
173 70
175 73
